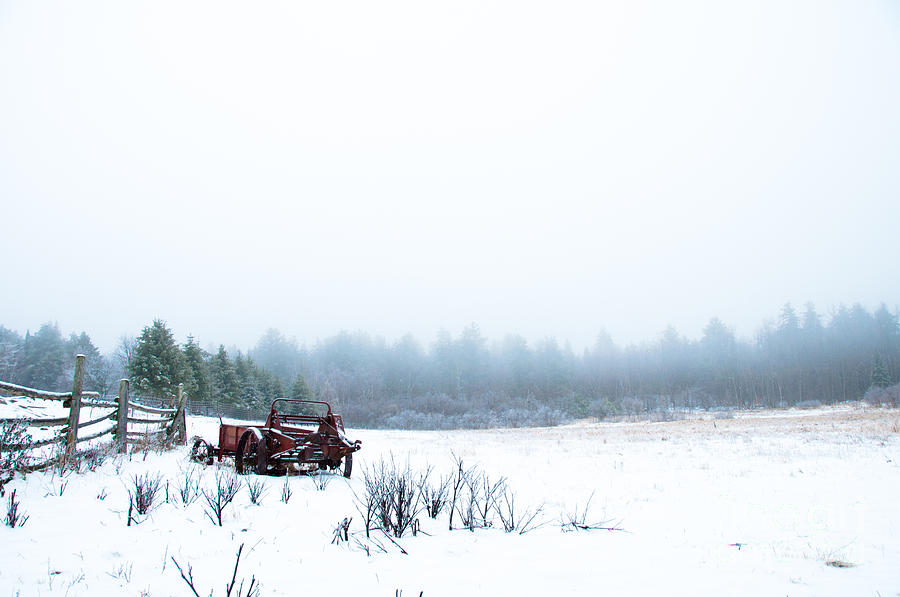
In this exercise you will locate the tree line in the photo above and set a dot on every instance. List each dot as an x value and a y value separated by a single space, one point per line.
467 381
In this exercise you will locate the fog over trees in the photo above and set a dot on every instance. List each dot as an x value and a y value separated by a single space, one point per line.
466 380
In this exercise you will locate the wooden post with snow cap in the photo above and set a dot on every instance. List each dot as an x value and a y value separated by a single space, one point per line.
122 421
75 406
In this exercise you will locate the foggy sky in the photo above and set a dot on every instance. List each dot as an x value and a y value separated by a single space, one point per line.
542 168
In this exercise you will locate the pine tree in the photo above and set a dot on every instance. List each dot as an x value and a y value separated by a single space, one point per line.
226 386
157 366
95 374
43 363
10 348
881 378
247 375
300 389
197 380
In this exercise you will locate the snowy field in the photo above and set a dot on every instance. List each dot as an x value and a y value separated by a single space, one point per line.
774 503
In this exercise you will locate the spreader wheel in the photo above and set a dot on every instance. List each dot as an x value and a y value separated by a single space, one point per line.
202 452
251 455
348 465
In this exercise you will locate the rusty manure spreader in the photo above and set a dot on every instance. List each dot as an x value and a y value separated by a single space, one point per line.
286 442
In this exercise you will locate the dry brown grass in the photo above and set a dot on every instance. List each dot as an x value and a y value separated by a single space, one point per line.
858 421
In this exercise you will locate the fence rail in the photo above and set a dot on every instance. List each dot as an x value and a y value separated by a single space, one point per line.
11 389
172 420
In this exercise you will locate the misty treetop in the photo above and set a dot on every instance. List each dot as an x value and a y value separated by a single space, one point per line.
467 381
46 360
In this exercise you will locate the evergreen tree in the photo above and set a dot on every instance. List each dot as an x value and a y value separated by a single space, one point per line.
300 389
226 386
197 379
157 366
788 321
43 363
269 384
881 378
95 370
246 371
10 347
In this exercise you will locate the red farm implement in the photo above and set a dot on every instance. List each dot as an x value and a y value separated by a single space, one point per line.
301 442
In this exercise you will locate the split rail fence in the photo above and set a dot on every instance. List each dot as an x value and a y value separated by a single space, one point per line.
169 421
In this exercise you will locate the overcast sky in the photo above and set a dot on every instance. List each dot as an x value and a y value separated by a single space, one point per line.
542 168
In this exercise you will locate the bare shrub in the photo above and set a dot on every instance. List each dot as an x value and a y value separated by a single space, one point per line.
390 501
93 458
577 520
188 488
146 487
57 487
226 488
252 590
631 405
122 571
14 518
878 396
342 532
601 408
320 481
434 495
490 492
286 491
468 501
514 519
461 487
257 488
15 449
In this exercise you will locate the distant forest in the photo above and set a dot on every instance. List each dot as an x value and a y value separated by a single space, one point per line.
468 382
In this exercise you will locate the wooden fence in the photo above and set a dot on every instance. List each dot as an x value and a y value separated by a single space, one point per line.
169 421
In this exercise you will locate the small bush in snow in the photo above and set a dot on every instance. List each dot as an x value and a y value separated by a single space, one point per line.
286 491
879 396
93 458
57 489
188 489
15 449
390 500
227 487
514 519
257 488
577 520
252 590
14 518
433 495
460 481
320 481
145 488
342 532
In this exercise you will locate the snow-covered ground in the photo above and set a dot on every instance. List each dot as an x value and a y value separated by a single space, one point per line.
752 505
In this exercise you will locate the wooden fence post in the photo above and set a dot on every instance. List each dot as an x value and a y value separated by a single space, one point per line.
122 420
180 419
178 427
75 407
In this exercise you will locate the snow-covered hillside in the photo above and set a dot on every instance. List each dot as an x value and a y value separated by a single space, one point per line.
763 504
